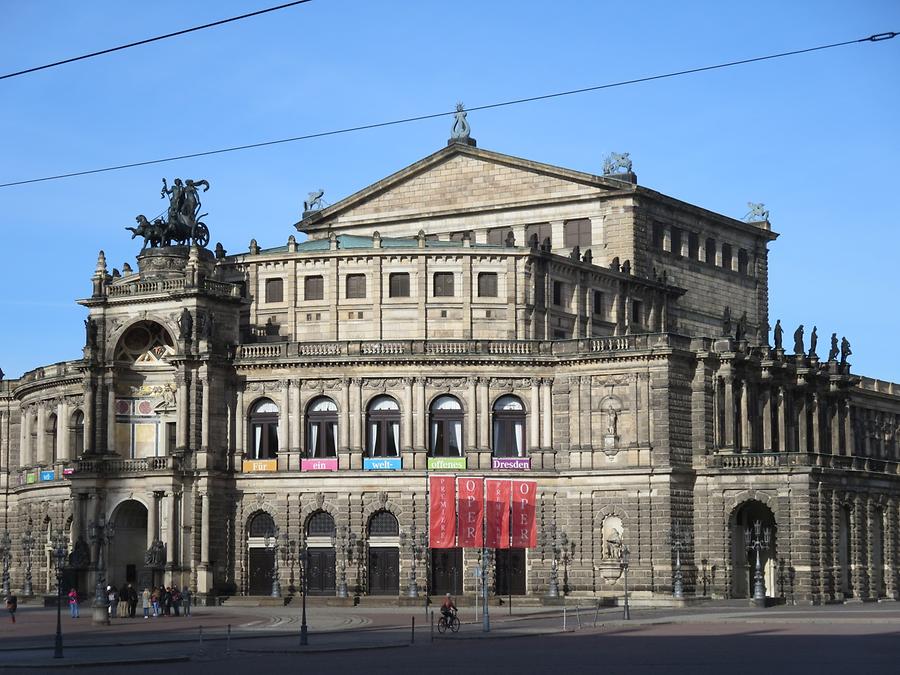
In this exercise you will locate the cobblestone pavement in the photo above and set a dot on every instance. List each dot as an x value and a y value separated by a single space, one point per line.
864 638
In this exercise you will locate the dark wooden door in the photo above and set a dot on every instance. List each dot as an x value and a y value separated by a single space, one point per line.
510 571
446 571
384 571
261 563
321 579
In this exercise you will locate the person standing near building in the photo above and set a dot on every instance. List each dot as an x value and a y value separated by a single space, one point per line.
186 598
12 604
73 602
111 599
145 602
123 601
132 600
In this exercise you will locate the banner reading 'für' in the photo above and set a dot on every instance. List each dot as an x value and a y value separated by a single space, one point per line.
442 514
471 511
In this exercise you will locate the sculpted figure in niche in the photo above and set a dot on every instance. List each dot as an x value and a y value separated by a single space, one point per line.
155 557
612 531
185 324
612 423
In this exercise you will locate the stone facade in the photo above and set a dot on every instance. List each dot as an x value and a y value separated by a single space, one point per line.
221 395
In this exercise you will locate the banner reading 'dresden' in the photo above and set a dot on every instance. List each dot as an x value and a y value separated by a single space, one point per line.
497 505
471 511
442 514
524 503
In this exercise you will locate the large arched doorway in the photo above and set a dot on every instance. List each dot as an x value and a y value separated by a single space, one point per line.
260 554
743 558
128 546
384 554
320 532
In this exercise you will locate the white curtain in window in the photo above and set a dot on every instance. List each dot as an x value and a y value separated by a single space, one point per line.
395 429
434 437
457 435
373 435
257 440
313 437
334 436
520 433
498 429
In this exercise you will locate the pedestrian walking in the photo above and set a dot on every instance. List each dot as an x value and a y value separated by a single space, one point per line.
154 601
186 599
12 604
145 602
176 600
123 601
132 600
167 600
111 599
73 602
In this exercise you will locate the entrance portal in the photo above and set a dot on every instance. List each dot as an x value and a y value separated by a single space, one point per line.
260 554
128 546
446 571
510 571
384 554
743 559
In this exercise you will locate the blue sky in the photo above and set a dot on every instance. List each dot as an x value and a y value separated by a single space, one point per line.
816 137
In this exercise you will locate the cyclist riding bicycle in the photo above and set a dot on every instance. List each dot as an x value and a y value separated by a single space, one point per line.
448 609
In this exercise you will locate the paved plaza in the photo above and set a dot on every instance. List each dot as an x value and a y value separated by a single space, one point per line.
862 638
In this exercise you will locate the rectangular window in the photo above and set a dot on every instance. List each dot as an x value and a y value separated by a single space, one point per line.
559 334
676 241
693 246
577 233
313 288
637 312
171 437
398 286
726 256
557 293
598 303
274 290
659 233
743 261
459 236
487 284
443 285
497 236
711 251
356 285
541 230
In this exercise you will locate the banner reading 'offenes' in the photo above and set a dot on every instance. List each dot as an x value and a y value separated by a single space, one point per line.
442 514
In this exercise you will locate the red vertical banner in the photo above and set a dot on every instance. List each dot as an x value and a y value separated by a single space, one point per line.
524 503
470 493
442 514
497 505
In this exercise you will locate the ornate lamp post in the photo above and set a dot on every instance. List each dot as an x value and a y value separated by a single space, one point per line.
755 542
418 543
101 533
679 538
5 555
345 542
272 545
60 554
288 555
556 541
626 554
304 634
27 548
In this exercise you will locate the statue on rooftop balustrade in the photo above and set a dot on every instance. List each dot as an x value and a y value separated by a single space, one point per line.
834 351
778 334
758 213
617 162
813 342
845 350
182 224
461 129
798 340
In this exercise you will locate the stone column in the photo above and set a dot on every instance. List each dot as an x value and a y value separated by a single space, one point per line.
729 411
871 558
240 430
205 414
344 419
766 395
834 425
816 423
111 419
546 415
534 419
284 433
42 435
204 575
63 451
89 446
153 517
836 518
890 549
406 422
172 537
182 406
746 444
802 421
858 550
574 422
296 418
25 458
357 422
484 414
784 444
421 428
471 440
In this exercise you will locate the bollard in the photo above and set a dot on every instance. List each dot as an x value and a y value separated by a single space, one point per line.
564 617
228 641
597 614
578 614
432 625
412 639
201 637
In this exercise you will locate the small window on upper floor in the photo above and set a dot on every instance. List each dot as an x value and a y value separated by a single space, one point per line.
443 285
598 303
743 261
356 285
497 236
560 294
637 312
487 284
313 288
542 230
459 236
577 233
274 290
676 241
659 233
726 256
398 285
693 246
711 251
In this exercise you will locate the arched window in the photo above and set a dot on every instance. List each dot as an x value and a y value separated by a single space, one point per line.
383 524
383 427
145 343
261 525
509 427
264 430
321 428
76 433
446 427
320 524
50 437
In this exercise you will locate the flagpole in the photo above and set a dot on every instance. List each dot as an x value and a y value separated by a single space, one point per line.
485 617
509 558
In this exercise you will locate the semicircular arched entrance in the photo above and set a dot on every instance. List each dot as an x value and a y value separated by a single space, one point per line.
128 546
743 520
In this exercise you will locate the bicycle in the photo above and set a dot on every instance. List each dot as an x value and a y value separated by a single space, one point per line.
451 622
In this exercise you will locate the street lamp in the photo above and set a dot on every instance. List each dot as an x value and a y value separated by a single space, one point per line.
755 542
271 542
345 541
60 546
5 554
288 551
626 554
27 547
557 541
304 587
679 538
418 543
101 533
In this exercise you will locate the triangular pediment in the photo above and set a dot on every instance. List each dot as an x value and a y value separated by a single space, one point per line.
460 179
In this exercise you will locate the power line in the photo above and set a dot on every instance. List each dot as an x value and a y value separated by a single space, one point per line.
153 39
418 118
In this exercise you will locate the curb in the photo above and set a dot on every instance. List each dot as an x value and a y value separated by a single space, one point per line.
325 649
63 663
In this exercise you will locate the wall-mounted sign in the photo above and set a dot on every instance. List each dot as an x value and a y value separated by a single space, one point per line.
382 464
323 464
512 463
68 472
48 475
446 463
256 465
31 478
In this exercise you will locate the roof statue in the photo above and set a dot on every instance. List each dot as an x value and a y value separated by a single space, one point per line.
758 213
617 162
798 341
461 131
313 201
835 350
845 350
182 224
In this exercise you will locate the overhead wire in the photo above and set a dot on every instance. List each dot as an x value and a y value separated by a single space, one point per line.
878 37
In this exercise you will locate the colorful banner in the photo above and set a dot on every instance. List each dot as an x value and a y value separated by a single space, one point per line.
47 475
442 513
471 512
446 463
321 464
497 506
68 472
511 463
524 503
382 464
30 478
253 465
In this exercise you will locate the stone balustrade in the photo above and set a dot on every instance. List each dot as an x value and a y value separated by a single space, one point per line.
775 460
163 286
